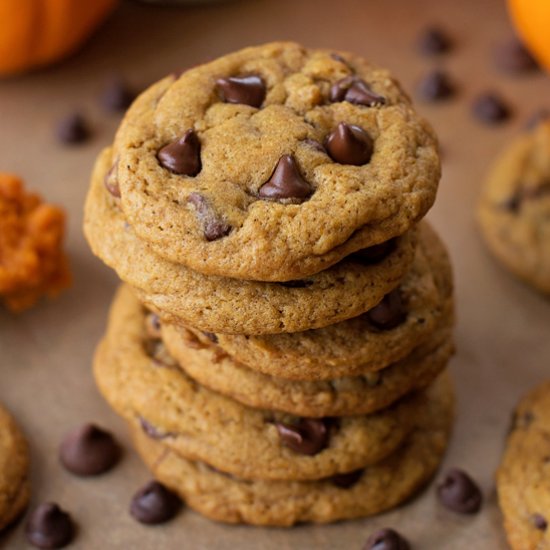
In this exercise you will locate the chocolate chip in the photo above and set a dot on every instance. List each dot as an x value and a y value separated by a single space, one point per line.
514 58
458 492
89 451
183 156
434 41
308 436
386 539
49 527
111 182
298 283
211 336
349 144
355 90
286 182
153 326
314 144
247 90
490 108
154 504
346 481
73 129
435 86
513 203
389 313
373 254
116 95
539 522
213 226
153 432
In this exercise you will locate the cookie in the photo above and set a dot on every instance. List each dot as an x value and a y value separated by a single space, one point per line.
218 304
373 490
524 473
274 162
153 392
514 208
14 469
349 348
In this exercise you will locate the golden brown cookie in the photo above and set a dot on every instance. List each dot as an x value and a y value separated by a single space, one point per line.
363 493
514 208
523 478
14 467
274 162
219 304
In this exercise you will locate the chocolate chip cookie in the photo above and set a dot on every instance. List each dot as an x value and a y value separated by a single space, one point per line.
220 304
14 466
411 313
150 391
524 473
360 493
514 209
274 162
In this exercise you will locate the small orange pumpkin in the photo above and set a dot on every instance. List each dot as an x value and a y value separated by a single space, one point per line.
532 20
38 32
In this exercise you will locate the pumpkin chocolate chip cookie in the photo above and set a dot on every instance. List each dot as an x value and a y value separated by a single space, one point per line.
274 162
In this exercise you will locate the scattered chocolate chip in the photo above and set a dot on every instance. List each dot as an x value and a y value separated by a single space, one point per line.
536 118
247 90
213 226
458 492
386 539
349 144
373 254
211 336
355 90
308 436
151 431
434 41
346 481
183 156
298 283
49 527
116 95
539 522
514 58
154 504
152 325
111 182
389 313
73 129
490 108
89 451
286 182
435 86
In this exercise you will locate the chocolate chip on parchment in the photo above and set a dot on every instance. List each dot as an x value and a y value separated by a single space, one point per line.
183 156
154 504
389 313
286 182
434 41
49 526
459 492
247 90
349 144
73 129
117 95
308 436
89 451
213 226
386 539
491 108
435 86
514 58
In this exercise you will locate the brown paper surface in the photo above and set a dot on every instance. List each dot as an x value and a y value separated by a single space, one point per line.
45 354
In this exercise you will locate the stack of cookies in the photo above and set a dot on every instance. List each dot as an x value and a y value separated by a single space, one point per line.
280 343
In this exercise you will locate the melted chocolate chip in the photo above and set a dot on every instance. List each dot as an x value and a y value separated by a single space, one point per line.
458 492
182 156
111 182
389 313
373 254
117 96
286 182
355 90
247 90
73 129
491 109
435 86
308 436
154 504
349 144
346 481
434 41
49 527
151 431
539 522
514 58
386 539
213 226
89 451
